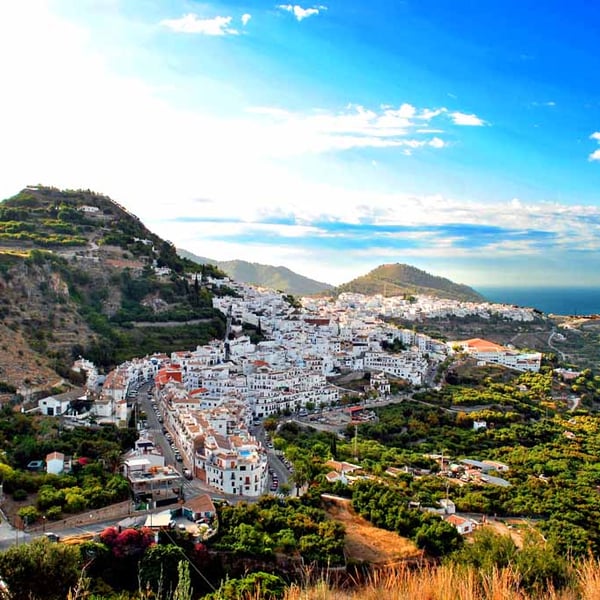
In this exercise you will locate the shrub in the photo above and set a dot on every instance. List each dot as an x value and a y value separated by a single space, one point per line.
19 495
54 513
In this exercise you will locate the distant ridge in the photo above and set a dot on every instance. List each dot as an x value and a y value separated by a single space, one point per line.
399 279
277 278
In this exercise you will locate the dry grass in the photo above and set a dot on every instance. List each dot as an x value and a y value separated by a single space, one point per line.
366 543
450 583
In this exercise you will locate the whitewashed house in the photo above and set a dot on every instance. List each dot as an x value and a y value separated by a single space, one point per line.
55 463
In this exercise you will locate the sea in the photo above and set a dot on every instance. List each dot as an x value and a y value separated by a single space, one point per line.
556 300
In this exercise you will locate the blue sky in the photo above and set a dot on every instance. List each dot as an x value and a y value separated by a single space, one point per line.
460 137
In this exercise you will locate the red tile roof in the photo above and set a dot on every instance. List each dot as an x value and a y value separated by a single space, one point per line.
483 345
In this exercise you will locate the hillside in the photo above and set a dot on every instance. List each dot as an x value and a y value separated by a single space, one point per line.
78 273
400 279
277 278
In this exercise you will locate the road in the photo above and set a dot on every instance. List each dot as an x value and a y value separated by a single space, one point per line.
275 463
10 536
554 348
194 487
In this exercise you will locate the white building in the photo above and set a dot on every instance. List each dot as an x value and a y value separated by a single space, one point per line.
55 463
490 353
232 465
410 366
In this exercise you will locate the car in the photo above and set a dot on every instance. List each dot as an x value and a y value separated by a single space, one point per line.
219 501
178 458
52 537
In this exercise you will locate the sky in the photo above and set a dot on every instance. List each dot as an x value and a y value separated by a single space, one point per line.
459 137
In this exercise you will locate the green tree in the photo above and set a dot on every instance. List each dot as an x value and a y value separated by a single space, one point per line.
40 569
489 551
437 537
184 590
29 514
250 540
159 567
540 565
257 585
285 541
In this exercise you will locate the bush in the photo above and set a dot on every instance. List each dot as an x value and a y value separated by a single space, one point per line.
29 514
54 513
256 585
19 495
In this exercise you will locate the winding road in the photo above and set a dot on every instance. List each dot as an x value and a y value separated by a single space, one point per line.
553 333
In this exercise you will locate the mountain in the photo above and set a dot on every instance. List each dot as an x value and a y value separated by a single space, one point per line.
80 275
399 279
277 278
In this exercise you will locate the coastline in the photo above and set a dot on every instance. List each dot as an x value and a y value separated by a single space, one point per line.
560 301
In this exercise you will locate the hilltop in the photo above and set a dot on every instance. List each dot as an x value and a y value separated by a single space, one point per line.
400 279
79 274
276 278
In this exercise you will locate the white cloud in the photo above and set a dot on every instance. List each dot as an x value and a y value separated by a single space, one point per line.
437 143
427 113
459 118
245 18
191 23
117 135
301 13
596 154
292 133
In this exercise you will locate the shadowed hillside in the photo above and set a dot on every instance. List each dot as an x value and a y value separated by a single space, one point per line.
78 274
276 278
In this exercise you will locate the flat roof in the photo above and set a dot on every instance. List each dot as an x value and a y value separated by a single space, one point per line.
137 462
477 464
161 519
491 479
160 475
